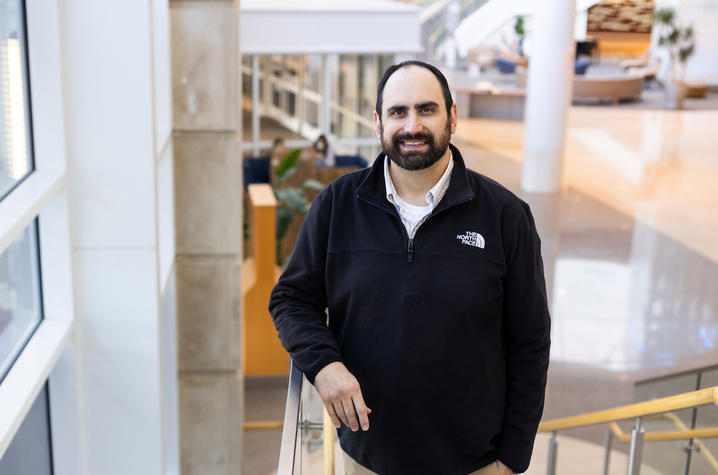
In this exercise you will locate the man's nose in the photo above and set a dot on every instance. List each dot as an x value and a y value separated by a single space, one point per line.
413 123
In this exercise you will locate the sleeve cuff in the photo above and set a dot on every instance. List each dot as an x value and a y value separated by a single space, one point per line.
315 368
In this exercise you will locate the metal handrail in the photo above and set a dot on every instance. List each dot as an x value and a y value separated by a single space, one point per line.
647 408
638 411
287 449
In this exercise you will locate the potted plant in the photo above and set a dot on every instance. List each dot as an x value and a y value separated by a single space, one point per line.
520 30
678 41
291 200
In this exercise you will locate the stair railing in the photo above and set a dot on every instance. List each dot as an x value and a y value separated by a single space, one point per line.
288 449
638 412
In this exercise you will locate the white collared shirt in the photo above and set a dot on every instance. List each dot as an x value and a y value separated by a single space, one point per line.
411 215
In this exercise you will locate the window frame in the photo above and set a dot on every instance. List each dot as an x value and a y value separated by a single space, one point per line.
49 353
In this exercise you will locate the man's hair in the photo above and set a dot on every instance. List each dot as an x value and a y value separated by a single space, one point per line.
434 70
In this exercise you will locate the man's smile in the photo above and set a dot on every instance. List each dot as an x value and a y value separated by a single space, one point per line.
412 144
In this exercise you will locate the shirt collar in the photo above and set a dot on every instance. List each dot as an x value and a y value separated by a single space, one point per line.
433 196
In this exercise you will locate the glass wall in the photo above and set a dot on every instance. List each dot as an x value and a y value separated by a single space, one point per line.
15 152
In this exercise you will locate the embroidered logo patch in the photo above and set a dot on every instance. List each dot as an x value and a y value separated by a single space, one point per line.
472 239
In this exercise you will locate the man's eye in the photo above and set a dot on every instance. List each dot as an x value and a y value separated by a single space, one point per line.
397 113
427 110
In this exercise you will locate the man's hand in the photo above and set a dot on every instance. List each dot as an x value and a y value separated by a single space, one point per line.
503 469
342 397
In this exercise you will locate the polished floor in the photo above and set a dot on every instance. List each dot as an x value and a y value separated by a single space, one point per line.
628 246
629 250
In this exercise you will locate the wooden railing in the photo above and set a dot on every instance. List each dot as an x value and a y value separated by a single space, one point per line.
649 409
655 406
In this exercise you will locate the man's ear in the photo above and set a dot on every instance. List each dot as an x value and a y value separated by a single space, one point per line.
454 118
377 124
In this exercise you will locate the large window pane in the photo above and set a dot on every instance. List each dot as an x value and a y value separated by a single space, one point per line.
30 451
15 155
20 304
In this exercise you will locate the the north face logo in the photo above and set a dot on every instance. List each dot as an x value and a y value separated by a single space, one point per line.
472 239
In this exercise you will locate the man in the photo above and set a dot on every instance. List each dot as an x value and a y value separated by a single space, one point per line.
433 279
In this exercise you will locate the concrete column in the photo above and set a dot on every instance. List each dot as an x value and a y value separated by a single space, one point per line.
548 95
208 188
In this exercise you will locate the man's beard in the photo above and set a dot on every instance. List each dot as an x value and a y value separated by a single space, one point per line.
416 160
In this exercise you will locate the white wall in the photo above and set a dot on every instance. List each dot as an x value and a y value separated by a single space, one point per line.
116 84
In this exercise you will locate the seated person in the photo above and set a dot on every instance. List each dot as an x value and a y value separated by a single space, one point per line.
323 153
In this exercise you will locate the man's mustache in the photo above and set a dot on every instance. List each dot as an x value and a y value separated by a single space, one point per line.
411 137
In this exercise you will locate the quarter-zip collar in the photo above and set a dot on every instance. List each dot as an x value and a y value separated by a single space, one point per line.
373 188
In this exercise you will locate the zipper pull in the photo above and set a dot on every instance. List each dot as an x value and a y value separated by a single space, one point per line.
410 250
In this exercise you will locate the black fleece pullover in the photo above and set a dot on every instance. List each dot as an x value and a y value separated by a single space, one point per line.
447 333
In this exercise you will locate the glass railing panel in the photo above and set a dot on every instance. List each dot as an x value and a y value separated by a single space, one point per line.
302 436
311 431
704 456
666 456
290 430
704 453
664 387
300 454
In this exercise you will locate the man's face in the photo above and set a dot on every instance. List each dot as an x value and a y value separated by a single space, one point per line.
414 127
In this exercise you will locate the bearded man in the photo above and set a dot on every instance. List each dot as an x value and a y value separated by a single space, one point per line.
437 314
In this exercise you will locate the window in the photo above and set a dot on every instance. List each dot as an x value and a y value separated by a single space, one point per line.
36 307
15 152
20 302
30 450
20 307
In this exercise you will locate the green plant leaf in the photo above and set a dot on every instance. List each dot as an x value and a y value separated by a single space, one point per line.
288 162
664 16
289 172
673 36
296 199
281 195
311 184
685 53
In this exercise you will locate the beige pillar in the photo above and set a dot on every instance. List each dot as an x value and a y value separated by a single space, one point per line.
208 232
